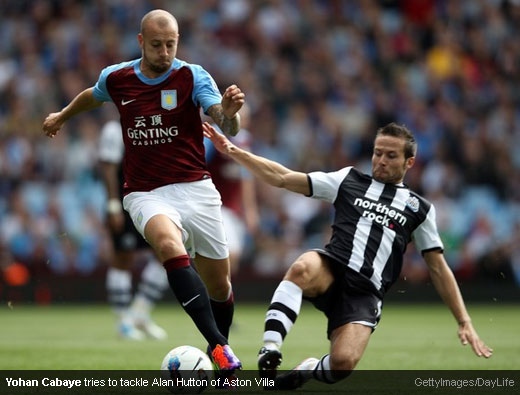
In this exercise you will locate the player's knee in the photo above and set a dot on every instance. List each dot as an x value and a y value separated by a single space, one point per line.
218 289
166 248
299 273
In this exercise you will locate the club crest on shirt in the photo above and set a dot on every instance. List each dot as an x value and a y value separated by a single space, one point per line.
169 99
413 203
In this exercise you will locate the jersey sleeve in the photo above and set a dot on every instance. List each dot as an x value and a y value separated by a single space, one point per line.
111 145
426 237
205 90
100 91
325 186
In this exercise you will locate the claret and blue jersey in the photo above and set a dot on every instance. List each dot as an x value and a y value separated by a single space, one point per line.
160 120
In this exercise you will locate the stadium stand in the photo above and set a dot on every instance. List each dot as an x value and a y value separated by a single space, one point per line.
319 76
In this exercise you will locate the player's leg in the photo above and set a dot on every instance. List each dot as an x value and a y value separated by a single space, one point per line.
209 245
119 293
308 276
348 343
216 275
158 220
166 240
235 231
119 276
352 316
127 243
164 237
151 287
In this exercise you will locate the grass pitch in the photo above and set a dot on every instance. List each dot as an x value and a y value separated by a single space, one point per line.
415 337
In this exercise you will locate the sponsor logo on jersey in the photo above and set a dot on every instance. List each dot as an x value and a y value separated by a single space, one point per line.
169 99
380 213
152 136
149 130
413 204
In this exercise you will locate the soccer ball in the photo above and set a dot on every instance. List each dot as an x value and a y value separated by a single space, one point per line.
187 369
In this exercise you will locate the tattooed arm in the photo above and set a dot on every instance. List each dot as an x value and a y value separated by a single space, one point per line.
225 114
229 126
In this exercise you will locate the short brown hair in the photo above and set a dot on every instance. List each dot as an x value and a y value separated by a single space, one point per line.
395 130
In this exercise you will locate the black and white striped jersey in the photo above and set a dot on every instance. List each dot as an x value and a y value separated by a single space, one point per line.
112 148
373 224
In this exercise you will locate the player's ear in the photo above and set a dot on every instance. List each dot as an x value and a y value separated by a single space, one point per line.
140 40
409 162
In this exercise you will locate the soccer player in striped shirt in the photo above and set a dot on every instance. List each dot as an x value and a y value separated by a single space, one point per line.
168 189
375 218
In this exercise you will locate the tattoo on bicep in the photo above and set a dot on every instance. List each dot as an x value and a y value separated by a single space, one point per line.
228 126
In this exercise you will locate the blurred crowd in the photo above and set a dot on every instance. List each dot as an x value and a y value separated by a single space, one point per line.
320 77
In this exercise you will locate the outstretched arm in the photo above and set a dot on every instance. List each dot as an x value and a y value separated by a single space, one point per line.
83 102
446 285
267 170
249 204
226 114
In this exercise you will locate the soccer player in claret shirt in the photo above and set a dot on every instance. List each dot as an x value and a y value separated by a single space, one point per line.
375 218
168 190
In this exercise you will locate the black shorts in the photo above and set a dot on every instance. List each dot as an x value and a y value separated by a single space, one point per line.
129 239
345 302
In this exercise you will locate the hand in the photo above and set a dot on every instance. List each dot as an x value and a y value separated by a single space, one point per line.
232 101
467 334
52 124
221 143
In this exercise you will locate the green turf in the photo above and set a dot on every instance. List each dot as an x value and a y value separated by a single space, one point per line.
409 337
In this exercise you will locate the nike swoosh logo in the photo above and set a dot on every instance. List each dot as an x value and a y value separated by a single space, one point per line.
184 304
124 103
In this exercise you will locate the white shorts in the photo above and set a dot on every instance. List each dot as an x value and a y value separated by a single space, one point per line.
235 230
193 206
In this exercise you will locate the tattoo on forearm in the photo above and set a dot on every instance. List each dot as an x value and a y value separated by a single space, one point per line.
228 126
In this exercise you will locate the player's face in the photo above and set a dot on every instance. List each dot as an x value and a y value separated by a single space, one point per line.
159 47
388 162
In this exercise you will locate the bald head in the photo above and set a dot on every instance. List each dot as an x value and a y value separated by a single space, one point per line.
160 19
158 40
